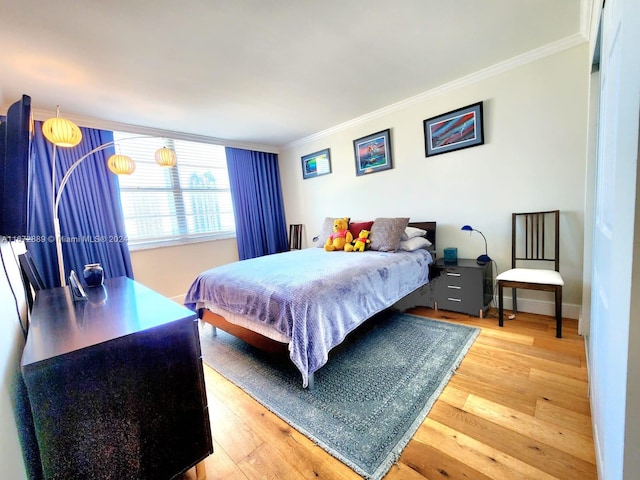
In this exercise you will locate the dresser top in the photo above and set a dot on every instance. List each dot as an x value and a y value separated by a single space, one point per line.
120 307
461 262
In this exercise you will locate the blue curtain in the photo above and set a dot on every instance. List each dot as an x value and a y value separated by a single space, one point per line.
258 207
91 219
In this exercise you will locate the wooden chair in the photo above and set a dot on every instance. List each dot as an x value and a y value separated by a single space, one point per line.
295 236
30 276
535 239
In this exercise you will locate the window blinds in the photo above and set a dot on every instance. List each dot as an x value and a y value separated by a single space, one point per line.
188 202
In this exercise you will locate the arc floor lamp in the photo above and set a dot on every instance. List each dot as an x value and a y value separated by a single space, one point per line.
66 134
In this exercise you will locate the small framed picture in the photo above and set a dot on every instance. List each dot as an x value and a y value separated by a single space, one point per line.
316 164
373 153
455 130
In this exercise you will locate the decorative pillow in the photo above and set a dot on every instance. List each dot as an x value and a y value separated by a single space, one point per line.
356 227
414 244
411 232
326 230
386 233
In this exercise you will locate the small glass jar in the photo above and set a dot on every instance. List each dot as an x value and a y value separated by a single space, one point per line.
93 274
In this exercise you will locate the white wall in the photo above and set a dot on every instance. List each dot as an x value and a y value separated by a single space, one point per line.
11 345
533 159
170 270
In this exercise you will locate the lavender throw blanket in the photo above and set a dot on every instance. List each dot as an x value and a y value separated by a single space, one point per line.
313 297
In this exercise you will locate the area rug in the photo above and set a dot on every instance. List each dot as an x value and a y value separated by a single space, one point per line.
369 399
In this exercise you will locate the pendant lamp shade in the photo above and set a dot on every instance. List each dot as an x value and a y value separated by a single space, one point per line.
62 132
165 157
121 164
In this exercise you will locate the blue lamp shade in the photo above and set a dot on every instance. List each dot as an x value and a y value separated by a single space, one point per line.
482 259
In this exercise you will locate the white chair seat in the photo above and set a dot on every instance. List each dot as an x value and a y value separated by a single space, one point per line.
531 275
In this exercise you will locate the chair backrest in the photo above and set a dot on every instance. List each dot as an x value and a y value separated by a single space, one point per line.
535 236
295 236
30 276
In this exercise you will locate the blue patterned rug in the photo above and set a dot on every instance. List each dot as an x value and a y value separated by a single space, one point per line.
368 400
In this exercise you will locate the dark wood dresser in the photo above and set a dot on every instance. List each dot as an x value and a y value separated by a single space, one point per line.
116 384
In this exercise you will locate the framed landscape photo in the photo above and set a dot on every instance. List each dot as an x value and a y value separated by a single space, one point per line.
316 164
373 153
455 130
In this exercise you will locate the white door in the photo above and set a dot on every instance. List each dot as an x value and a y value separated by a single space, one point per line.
614 218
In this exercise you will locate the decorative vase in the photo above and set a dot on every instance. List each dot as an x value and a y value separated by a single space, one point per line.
93 274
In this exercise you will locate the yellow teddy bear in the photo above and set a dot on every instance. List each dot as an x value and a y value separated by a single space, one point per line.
341 236
361 242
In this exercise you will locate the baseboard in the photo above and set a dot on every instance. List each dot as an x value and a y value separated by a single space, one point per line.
597 447
541 307
179 298
422 298
594 426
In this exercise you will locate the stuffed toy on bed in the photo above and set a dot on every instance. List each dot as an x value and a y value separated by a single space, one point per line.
360 243
341 236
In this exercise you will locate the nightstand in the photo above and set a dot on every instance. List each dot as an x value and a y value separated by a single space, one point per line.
464 286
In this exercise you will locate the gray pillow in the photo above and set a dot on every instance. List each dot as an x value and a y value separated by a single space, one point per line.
387 232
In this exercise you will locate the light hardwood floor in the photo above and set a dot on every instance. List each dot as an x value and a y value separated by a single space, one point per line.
516 408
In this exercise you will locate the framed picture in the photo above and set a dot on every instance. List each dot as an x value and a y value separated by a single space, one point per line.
316 164
454 130
373 153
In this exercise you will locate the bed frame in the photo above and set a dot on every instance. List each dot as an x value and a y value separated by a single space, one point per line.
273 346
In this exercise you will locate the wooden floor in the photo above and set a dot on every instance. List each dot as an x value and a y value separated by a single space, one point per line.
516 408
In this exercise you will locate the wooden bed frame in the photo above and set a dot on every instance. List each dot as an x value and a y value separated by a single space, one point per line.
273 346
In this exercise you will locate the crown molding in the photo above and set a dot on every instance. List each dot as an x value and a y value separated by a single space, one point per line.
497 69
42 114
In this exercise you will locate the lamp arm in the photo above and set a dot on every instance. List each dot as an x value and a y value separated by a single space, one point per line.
75 165
63 183
486 250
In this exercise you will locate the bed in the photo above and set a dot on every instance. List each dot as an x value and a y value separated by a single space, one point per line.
305 302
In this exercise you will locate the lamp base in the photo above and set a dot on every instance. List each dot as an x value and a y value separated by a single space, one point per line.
483 260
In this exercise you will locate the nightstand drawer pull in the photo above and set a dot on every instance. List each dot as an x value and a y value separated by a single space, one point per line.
455 287
454 299
450 274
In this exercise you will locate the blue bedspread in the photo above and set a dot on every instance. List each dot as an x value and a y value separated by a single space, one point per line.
313 297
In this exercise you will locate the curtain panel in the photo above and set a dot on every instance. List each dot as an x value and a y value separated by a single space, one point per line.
91 220
258 206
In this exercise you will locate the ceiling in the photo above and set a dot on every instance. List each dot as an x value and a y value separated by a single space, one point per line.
267 72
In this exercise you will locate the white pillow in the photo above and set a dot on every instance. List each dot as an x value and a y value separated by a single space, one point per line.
411 232
414 244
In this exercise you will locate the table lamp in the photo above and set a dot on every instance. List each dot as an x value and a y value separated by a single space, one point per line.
482 259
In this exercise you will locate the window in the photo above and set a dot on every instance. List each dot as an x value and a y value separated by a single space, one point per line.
189 202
